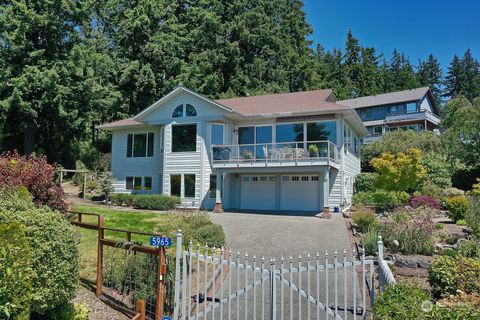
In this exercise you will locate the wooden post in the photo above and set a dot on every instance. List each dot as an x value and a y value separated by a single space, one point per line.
161 270
101 234
84 184
140 309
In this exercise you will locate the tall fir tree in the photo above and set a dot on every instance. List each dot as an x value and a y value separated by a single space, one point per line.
454 79
430 74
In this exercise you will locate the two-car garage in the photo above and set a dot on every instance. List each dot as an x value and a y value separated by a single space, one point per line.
299 192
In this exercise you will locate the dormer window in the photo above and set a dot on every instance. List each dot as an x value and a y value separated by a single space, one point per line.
184 110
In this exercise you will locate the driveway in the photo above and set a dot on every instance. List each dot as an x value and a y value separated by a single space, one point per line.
276 235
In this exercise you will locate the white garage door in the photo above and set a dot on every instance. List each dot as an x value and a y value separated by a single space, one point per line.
258 192
300 193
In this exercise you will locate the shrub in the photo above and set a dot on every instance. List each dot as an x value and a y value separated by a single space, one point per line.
70 311
212 235
15 272
414 234
438 170
461 222
141 201
364 218
36 175
449 274
457 206
369 242
475 192
432 190
407 302
54 251
473 216
106 184
452 192
365 181
470 248
425 201
77 178
155 202
401 302
380 198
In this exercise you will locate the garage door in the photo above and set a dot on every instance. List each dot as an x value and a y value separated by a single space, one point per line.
258 192
300 193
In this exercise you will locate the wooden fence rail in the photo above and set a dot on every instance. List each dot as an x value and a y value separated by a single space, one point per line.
158 252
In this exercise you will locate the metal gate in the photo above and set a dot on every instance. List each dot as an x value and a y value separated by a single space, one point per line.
214 283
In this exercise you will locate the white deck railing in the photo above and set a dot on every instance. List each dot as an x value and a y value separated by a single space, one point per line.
275 152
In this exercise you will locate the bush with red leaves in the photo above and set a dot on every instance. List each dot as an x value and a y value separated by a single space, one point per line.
36 175
424 201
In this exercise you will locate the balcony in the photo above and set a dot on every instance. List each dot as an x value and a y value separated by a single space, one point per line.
284 154
415 116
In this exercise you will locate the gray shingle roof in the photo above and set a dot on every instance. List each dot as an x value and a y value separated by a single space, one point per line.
386 98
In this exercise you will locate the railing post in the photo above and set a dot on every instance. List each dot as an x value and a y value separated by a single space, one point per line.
176 303
273 291
101 234
160 290
140 309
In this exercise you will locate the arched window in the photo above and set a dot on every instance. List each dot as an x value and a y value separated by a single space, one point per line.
190 110
178 112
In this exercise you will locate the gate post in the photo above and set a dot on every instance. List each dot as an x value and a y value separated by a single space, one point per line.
380 262
101 233
273 291
160 290
177 276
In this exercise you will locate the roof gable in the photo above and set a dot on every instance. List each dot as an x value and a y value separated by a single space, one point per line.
178 90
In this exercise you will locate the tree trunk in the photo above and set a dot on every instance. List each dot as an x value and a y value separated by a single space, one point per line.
28 140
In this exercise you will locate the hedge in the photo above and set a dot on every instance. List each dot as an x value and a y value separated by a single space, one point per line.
51 238
15 273
380 198
139 201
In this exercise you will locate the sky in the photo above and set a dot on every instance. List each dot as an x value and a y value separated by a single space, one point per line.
417 28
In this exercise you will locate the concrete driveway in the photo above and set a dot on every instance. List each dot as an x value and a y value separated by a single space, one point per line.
276 235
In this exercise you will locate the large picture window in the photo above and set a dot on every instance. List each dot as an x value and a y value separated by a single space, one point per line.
217 133
184 138
322 131
140 145
290 132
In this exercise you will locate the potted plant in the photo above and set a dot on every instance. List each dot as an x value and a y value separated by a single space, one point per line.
247 154
313 150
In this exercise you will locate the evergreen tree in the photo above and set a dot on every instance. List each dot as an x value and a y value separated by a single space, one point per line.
471 76
430 74
454 79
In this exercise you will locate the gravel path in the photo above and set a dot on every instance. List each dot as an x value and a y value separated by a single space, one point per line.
99 310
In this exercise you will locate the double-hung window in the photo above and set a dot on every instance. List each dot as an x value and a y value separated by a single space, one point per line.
140 145
184 137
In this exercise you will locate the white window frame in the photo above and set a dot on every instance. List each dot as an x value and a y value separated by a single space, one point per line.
147 133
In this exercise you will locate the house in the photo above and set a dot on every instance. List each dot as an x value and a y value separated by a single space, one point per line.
402 110
283 152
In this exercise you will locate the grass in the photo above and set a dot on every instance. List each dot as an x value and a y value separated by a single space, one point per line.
135 220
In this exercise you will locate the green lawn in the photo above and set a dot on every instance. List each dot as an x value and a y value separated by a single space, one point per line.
135 220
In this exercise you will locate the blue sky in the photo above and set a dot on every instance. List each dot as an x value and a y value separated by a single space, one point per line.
441 27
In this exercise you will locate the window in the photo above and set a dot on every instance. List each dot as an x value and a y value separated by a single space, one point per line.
290 132
263 137
212 192
216 133
285 178
246 135
147 183
315 178
347 138
140 145
295 178
254 179
133 183
272 178
175 185
246 179
189 185
263 179
365 113
178 112
393 109
321 131
411 107
377 130
190 111
304 178
184 138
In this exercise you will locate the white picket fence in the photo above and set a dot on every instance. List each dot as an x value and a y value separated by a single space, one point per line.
216 284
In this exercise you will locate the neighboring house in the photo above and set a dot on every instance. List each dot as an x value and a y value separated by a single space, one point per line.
292 151
402 110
